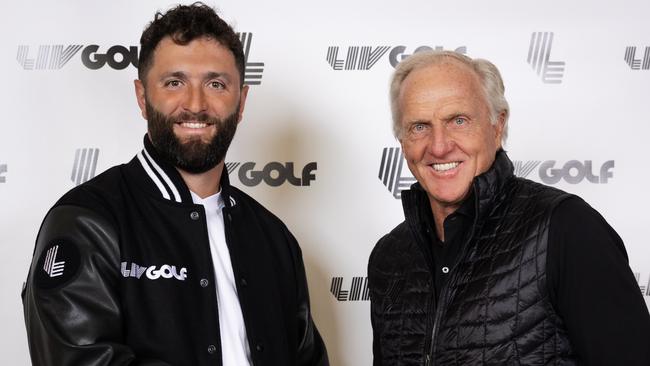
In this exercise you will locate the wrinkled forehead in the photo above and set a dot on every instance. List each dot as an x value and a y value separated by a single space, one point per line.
448 74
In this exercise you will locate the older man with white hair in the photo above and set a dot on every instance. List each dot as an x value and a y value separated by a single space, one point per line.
489 268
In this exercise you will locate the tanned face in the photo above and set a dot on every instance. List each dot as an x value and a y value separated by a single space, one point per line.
193 100
448 137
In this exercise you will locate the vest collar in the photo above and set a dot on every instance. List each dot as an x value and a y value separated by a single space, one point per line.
485 186
488 187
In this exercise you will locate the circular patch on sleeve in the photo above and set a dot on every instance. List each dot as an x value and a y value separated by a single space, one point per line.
58 264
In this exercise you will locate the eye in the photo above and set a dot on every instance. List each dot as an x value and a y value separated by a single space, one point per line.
419 127
217 85
459 121
174 83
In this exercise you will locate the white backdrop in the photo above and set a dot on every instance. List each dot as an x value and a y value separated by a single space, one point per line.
307 109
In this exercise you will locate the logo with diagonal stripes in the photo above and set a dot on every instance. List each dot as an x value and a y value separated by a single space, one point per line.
635 63
358 290
365 57
390 171
524 168
357 57
85 163
3 170
49 57
253 73
51 266
231 167
539 53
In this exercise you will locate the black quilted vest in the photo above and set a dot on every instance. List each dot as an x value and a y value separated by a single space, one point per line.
494 309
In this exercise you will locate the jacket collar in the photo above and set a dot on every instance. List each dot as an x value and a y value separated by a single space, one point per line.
163 179
486 188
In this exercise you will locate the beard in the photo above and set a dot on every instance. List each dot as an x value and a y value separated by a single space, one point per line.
194 155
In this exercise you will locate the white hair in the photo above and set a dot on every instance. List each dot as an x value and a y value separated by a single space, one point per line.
488 75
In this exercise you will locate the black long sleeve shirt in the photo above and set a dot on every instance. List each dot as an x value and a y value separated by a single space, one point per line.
590 283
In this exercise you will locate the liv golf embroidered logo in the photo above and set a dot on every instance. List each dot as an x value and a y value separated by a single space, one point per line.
539 53
391 169
57 265
85 163
274 173
637 63
152 272
358 290
572 172
3 170
51 266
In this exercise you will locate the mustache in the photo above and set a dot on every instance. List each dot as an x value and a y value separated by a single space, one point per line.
200 117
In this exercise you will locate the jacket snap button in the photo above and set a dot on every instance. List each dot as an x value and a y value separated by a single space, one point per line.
212 349
204 282
243 282
445 269
259 348
194 215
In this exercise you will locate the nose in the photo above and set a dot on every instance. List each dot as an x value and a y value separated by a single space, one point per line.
440 141
195 101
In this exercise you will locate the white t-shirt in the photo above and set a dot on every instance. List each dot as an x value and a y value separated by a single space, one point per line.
234 344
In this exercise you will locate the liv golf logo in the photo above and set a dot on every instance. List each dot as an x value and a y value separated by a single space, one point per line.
572 172
365 57
358 290
117 57
391 171
274 173
85 164
394 175
253 74
637 63
51 266
54 57
539 53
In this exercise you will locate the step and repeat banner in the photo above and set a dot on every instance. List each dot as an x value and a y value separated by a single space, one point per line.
315 145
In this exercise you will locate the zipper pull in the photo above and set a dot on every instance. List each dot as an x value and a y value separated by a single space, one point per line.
427 360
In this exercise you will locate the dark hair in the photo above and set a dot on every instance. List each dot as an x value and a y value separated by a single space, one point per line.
184 24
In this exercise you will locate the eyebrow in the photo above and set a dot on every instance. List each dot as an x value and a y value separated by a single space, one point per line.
176 74
207 76
213 75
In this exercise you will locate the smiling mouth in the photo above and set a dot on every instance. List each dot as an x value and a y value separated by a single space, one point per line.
194 125
445 166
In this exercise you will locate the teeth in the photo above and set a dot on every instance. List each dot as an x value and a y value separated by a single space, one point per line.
194 125
445 166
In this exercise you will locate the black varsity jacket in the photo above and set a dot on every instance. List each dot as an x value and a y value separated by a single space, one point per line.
122 275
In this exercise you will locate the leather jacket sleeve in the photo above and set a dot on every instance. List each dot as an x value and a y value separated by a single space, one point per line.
72 309
311 349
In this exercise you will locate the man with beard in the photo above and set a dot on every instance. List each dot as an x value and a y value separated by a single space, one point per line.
160 261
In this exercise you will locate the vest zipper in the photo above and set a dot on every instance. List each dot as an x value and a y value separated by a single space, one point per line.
442 299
